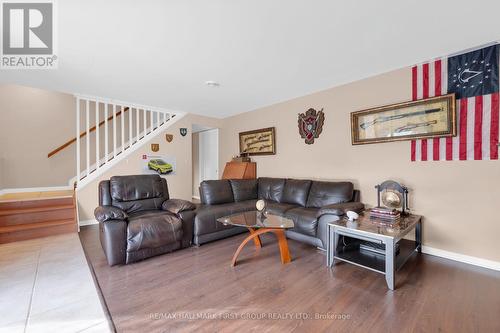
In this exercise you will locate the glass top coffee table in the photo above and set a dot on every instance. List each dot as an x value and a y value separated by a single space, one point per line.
257 224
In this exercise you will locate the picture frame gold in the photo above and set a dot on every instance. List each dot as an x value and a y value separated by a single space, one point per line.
425 118
258 142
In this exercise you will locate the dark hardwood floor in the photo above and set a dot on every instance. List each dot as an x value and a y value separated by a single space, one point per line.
432 295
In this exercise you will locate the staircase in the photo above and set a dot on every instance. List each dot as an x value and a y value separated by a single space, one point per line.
107 131
34 215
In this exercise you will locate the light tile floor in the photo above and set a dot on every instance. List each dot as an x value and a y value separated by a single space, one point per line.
46 286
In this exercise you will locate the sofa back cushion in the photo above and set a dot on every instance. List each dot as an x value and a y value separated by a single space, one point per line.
214 192
138 192
296 191
327 193
271 188
244 189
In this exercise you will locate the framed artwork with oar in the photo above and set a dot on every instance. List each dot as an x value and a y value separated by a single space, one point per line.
426 118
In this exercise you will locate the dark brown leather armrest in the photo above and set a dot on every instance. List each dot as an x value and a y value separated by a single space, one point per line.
107 213
175 206
341 208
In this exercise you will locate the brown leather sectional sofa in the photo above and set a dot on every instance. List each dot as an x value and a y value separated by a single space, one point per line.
310 204
137 218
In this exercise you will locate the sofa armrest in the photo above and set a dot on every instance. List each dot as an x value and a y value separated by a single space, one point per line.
176 206
113 238
341 208
187 218
108 213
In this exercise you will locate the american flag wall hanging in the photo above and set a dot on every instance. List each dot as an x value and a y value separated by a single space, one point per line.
473 77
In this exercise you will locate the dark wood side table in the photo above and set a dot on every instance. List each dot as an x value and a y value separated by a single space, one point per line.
389 252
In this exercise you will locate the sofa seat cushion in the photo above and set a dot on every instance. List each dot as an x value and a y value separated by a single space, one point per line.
152 229
205 221
277 208
327 193
296 191
271 189
304 219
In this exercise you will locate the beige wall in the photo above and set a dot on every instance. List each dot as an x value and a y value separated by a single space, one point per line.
458 199
180 184
196 164
34 122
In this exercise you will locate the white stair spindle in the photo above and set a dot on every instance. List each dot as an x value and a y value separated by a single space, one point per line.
122 124
151 127
78 139
137 124
145 126
130 127
87 139
97 152
106 133
114 130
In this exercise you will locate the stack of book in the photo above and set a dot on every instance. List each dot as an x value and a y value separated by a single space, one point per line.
389 215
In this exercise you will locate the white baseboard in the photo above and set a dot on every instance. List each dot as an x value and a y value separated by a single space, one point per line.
87 222
494 265
35 189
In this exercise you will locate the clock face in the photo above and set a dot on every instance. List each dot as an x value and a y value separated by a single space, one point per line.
392 199
260 205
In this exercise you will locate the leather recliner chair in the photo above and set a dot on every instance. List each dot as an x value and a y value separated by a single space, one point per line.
137 219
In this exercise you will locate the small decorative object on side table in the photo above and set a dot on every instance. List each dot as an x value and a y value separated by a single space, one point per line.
387 251
392 195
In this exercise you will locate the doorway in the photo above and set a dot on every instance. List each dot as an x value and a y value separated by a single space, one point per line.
205 156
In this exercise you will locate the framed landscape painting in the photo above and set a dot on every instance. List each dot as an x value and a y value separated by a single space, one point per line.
432 117
258 142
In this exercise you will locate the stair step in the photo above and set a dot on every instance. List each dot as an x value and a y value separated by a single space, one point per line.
34 203
29 226
36 230
37 216
34 210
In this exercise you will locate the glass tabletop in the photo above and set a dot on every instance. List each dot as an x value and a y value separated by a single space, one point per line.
255 219
365 223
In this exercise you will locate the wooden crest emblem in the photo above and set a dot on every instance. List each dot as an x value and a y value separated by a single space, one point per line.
169 137
311 125
155 147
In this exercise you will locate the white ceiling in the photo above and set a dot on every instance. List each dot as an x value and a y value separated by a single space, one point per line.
261 51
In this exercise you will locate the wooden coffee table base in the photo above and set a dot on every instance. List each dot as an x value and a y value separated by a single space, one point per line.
254 234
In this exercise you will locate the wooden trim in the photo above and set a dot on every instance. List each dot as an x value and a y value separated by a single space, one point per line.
73 140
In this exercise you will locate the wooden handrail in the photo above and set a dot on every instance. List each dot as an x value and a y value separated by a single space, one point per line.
92 129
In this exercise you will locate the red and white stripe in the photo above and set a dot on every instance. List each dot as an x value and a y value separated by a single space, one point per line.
477 120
